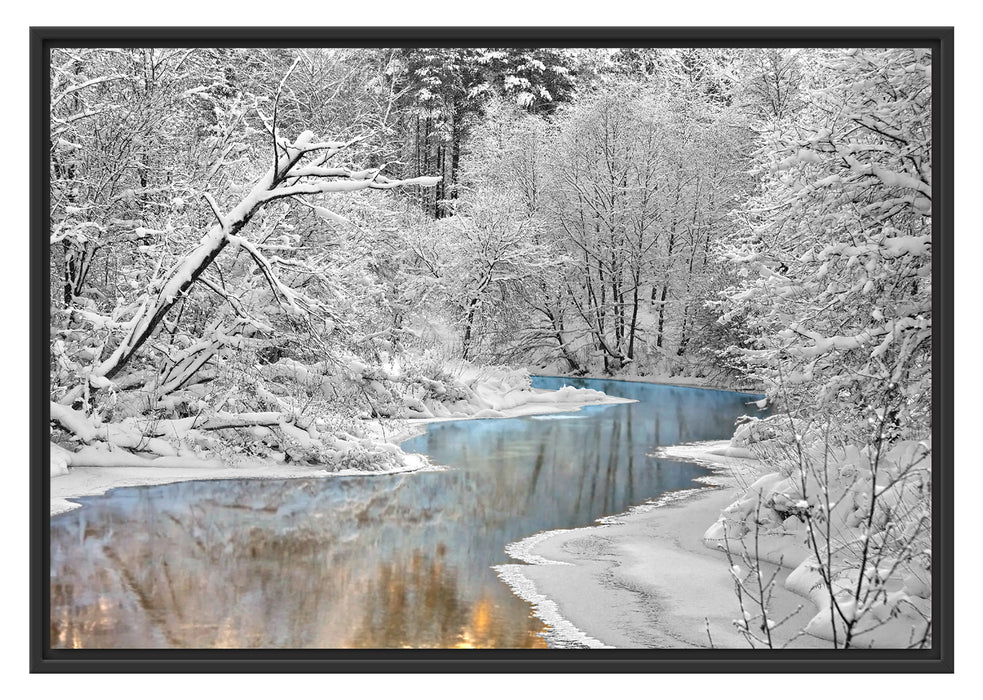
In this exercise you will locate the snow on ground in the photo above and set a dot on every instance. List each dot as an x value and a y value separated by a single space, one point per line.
832 488
645 579
494 399
664 379
658 576
628 375
531 402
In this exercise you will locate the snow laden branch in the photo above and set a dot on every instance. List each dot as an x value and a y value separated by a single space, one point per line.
833 278
166 290
349 182
281 290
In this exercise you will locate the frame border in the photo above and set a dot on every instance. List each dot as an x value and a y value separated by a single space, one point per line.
939 659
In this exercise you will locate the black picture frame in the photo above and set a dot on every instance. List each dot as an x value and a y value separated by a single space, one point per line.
938 659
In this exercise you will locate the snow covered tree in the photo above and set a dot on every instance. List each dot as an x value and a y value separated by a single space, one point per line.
641 180
482 264
116 149
836 251
835 256
149 364
444 92
769 82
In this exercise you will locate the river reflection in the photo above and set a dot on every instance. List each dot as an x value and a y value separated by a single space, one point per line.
377 562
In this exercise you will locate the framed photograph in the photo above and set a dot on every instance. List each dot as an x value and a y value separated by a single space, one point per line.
491 349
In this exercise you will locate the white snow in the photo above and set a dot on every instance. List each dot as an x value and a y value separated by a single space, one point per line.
96 469
764 520
655 583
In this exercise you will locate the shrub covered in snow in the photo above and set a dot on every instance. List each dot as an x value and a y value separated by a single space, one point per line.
855 527
834 259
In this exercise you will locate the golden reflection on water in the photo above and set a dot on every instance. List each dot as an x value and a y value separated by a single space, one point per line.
268 592
418 605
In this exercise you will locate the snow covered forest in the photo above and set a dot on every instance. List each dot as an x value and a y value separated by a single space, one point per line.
271 255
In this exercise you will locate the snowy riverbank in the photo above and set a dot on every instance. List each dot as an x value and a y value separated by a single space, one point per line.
645 579
91 481
661 379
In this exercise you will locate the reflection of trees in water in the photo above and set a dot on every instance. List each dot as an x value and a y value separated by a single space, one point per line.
369 562
237 571
588 464
193 577
418 605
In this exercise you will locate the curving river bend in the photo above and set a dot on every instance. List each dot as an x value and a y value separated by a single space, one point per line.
376 562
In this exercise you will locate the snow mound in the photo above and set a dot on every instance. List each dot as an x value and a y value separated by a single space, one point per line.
852 521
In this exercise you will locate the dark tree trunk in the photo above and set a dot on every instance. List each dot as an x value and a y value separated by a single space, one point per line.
456 137
472 307
665 285
634 321
439 190
558 330
662 316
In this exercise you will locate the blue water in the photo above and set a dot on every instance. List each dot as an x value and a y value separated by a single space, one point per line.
382 561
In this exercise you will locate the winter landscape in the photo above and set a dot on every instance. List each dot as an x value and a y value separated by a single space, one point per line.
491 348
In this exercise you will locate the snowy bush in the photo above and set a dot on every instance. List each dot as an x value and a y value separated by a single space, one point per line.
834 258
855 527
